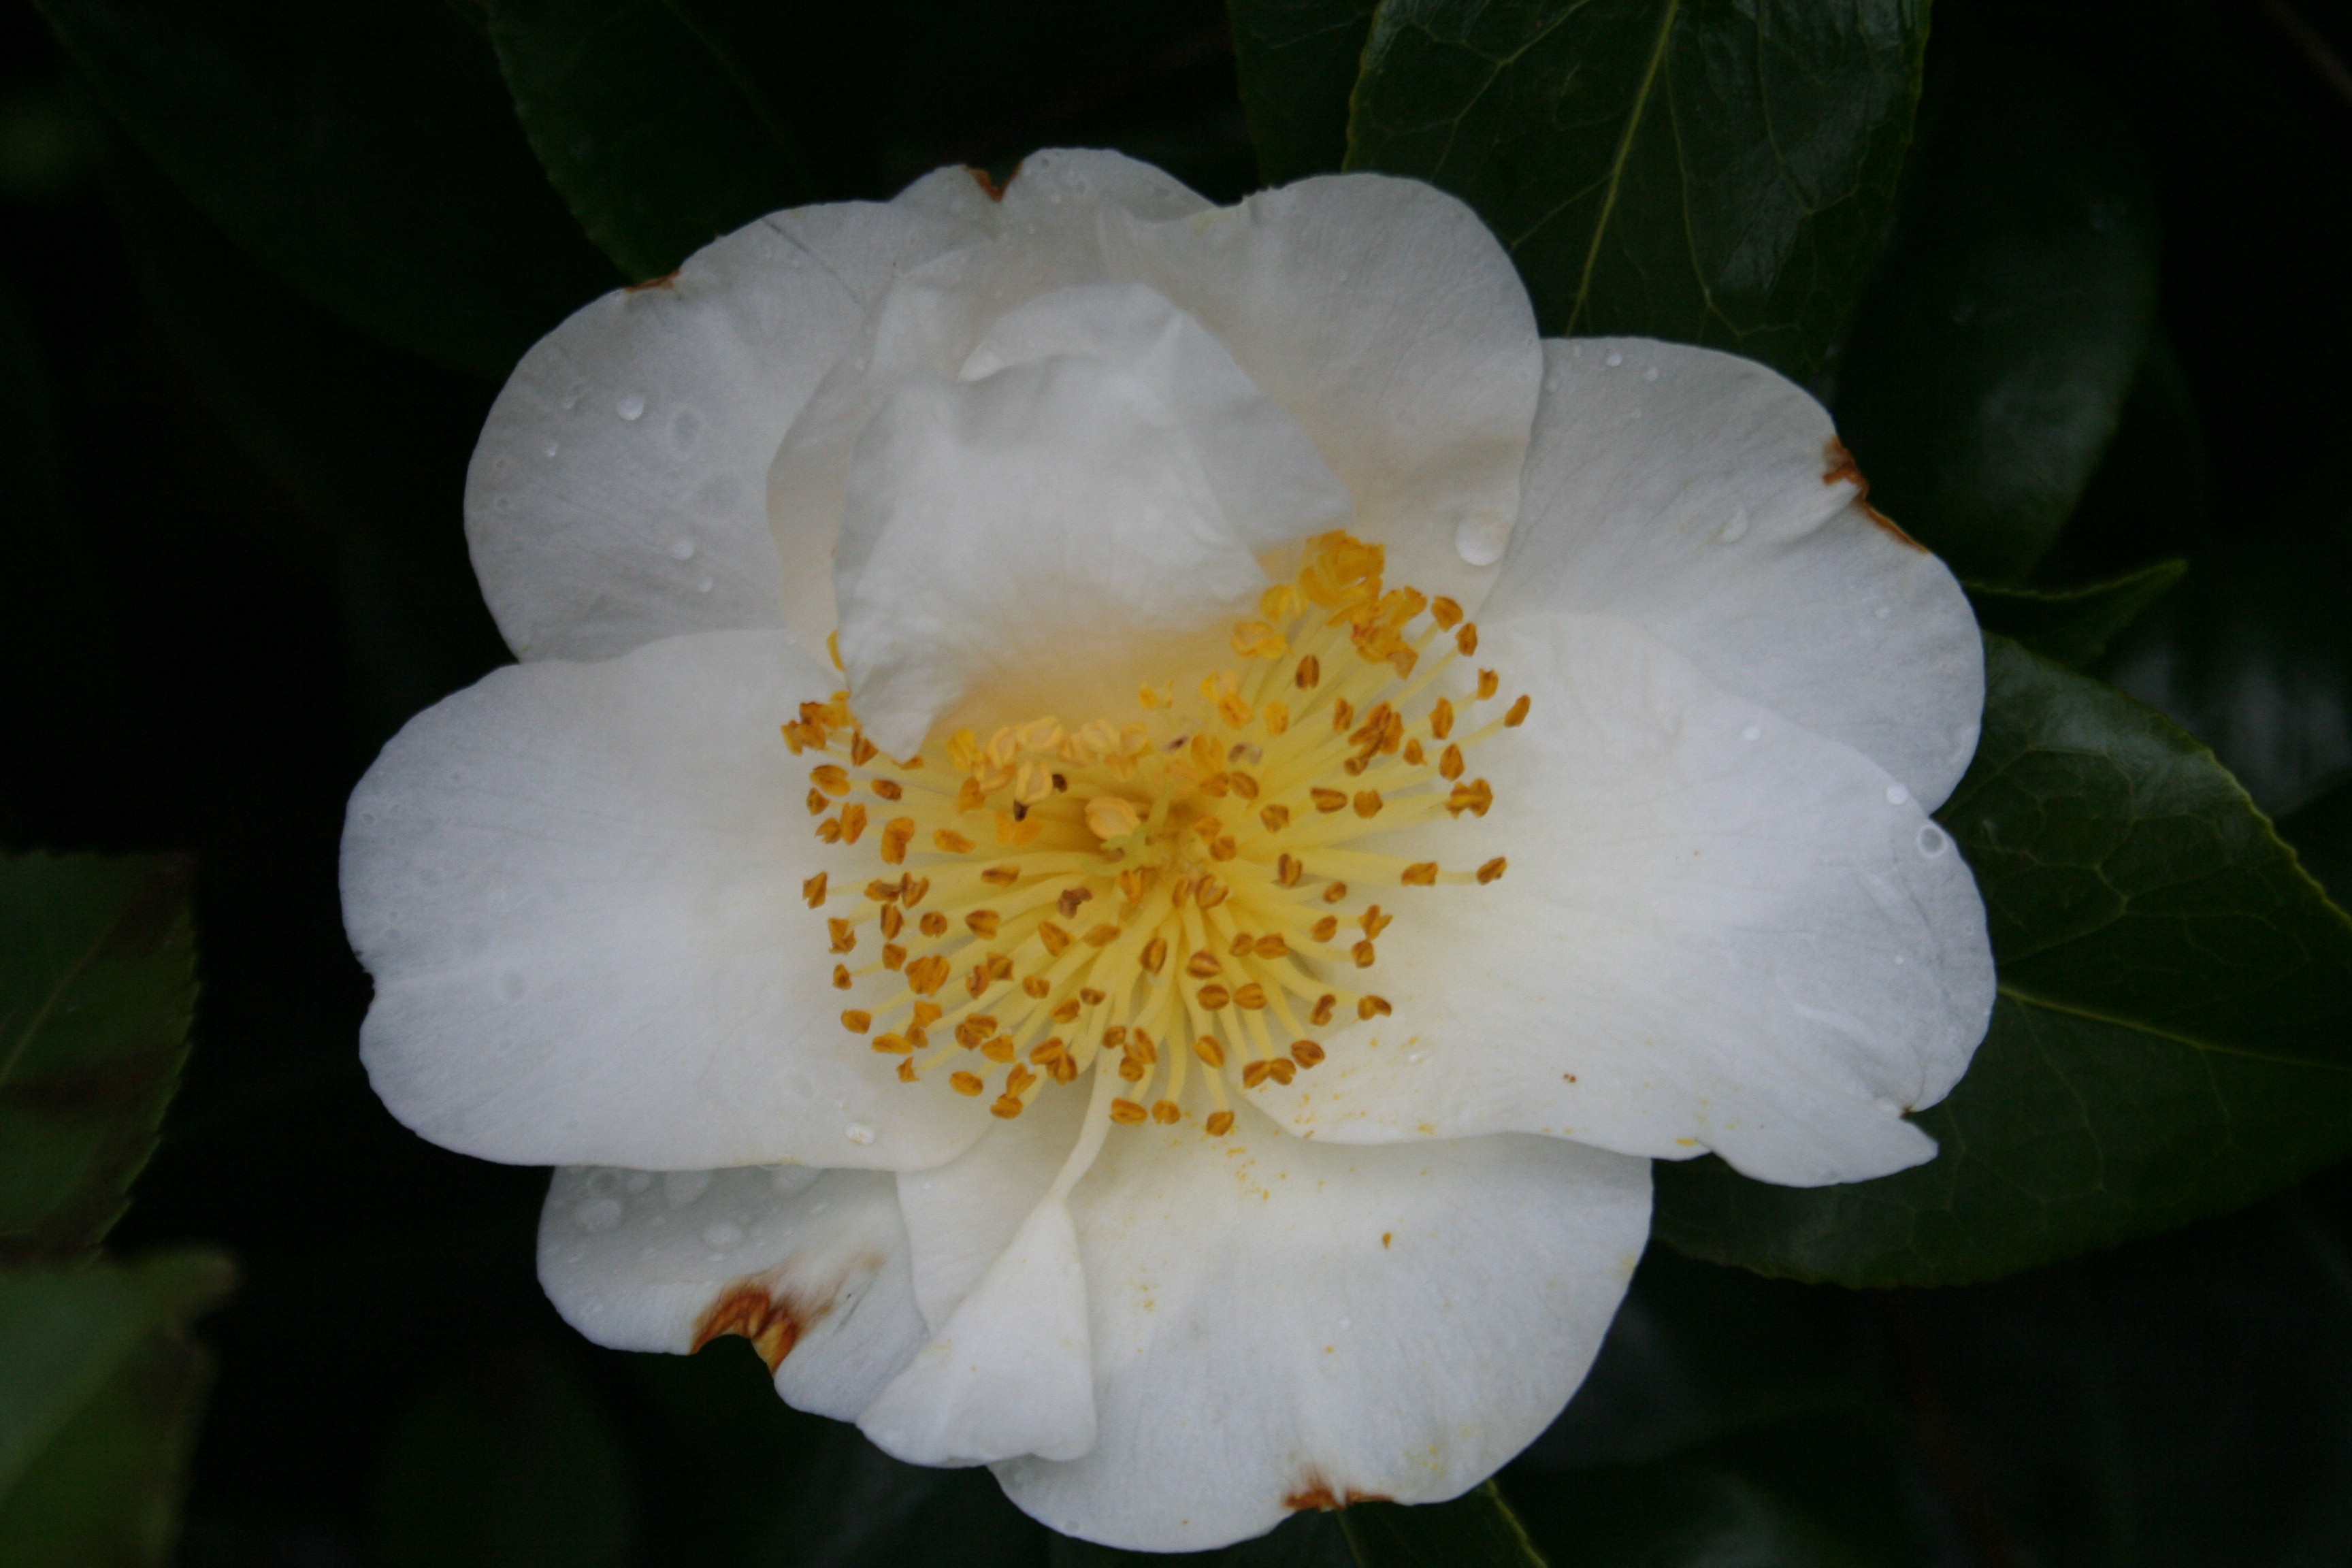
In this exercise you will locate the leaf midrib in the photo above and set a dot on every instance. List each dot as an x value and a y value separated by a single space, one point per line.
1634 117
2212 1047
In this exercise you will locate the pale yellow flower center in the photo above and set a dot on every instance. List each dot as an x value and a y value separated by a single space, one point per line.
1171 899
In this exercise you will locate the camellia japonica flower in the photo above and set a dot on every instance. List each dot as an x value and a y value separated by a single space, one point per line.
1123 824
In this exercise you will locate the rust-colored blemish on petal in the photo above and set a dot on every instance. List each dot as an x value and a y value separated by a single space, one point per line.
750 1307
1842 466
667 280
1315 1492
987 183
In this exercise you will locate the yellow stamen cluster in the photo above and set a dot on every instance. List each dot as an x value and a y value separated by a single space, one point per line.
1173 902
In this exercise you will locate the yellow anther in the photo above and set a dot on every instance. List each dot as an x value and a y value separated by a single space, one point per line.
1306 1053
1420 874
1328 800
912 888
1276 715
1450 765
861 750
982 922
1323 1006
1519 713
1150 697
1492 870
845 935
1155 953
1368 802
1343 713
1067 1011
1000 875
998 1048
1363 954
1224 848
1445 612
1256 1073
1125 1112
965 1083
1281 601
1036 987
893 957
1327 928
857 1020
1242 784
969 797
889 789
1054 938
1008 1106
842 979
1071 899
829 831
834 781
1048 1052
1210 893
1207 1049
1016 831
1039 735
1440 719
934 924
832 648
893 1045
1256 639
1281 1070
1489 683
819 803
1336 893
1373 1007
1090 997
1244 944
813 891
1466 639
963 750
1309 673
1474 797
1219 1124
1167 1112
1112 816
1214 996
1272 946
1289 870
1102 936
1032 780
1252 996
1019 1079
926 975
896 834
949 840
853 821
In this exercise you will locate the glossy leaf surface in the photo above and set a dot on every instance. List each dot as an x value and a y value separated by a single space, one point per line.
1714 172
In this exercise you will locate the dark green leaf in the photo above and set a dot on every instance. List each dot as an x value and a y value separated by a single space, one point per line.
2173 1036
2321 831
1298 60
366 153
1310 1540
511 1463
1476 1530
96 987
1990 360
654 118
1673 1514
2072 626
1710 171
99 1388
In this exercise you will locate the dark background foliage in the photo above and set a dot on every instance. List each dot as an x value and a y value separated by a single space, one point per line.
262 265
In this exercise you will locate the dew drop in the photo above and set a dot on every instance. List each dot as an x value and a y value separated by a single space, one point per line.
1735 530
683 550
553 447
633 406
1614 358
1933 841
598 1216
682 1187
721 1233
1347 1323
1417 1056
1753 732
858 1132
1896 795
1651 373
703 586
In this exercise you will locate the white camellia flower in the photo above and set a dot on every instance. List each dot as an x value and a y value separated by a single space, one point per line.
1291 791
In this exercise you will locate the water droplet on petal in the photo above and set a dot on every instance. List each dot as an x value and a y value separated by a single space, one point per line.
1933 841
683 550
858 1132
598 1216
631 406
1753 732
1896 795
682 1187
1614 358
703 586
1651 373
721 1233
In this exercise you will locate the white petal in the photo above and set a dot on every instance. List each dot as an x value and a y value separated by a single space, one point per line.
1695 493
618 492
577 888
809 1265
1278 1324
1385 317
960 1215
1265 472
1041 235
1718 930
1009 1372
1039 541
